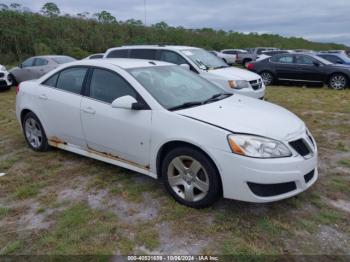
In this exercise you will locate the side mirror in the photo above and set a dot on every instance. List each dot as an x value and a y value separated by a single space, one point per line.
316 63
127 102
187 66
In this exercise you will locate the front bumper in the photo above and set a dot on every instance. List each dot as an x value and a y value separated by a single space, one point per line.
259 93
4 80
239 175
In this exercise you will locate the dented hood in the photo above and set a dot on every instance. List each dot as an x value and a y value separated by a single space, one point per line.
241 114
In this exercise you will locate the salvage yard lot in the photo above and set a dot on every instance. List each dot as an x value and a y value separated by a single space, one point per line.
61 203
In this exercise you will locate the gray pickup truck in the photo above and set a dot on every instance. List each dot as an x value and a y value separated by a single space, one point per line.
252 55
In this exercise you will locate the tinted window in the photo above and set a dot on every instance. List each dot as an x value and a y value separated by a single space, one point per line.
260 50
285 59
40 62
122 53
106 86
332 58
63 59
305 60
72 79
230 52
171 57
143 54
51 81
28 62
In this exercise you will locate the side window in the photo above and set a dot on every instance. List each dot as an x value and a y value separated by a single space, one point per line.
304 60
72 79
260 50
229 52
29 62
143 54
52 81
96 57
106 86
284 59
171 57
120 53
40 62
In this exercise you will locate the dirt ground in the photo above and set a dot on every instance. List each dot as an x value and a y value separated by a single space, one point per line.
61 203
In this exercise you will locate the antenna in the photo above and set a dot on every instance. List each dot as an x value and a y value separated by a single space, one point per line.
145 5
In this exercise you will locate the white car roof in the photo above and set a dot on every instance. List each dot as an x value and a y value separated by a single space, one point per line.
124 63
173 47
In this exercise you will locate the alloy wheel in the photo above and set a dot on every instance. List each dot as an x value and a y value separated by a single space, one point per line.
267 78
33 132
338 82
188 178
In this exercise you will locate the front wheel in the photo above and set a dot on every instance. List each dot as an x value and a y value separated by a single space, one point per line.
338 81
191 177
267 77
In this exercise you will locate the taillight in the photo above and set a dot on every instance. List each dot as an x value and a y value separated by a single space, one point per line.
250 66
17 89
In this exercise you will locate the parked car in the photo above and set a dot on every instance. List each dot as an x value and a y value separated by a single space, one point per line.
37 66
253 54
200 61
268 54
95 56
303 68
166 122
5 78
336 58
228 55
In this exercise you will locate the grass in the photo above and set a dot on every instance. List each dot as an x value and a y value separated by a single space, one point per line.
31 194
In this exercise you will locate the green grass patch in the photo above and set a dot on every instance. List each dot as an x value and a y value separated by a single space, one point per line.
26 191
11 247
344 162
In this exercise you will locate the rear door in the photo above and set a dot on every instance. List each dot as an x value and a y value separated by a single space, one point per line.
40 67
60 98
120 133
284 66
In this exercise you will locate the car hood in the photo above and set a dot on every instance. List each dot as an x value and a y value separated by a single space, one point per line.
232 73
241 114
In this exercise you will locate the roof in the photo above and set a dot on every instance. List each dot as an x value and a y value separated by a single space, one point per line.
124 63
173 47
50 56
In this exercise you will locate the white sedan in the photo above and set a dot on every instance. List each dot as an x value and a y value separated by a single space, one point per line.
5 78
166 122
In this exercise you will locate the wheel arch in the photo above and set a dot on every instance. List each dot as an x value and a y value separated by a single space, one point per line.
170 145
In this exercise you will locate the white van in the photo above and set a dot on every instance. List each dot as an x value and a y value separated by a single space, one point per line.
200 61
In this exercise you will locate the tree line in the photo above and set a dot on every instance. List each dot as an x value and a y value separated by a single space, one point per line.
24 33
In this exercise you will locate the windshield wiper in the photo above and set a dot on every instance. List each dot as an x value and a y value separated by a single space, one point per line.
186 105
217 97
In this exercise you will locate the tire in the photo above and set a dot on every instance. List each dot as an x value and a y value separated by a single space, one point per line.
338 81
195 181
267 77
13 80
34 133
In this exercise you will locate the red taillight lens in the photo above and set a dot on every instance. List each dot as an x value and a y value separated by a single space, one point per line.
17 89
250 66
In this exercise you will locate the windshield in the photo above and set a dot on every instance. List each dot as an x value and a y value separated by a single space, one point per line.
204 59
324 61
63 59
174 86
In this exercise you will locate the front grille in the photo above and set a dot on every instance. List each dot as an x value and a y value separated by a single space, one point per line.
256 84
309 176
2 74
268 190
300 146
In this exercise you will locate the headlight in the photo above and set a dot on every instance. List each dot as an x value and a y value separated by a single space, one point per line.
259 147
238 84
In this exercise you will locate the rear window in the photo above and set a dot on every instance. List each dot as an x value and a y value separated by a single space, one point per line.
121 53
63 59
143 54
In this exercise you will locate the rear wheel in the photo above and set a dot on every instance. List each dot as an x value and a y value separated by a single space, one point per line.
338 81
191 177
267 78
34 133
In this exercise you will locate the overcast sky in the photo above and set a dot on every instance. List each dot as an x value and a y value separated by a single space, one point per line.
318 20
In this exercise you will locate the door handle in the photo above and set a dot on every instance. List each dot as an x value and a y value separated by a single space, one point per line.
43 97
89 110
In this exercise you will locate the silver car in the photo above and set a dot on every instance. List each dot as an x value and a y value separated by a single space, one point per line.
37 66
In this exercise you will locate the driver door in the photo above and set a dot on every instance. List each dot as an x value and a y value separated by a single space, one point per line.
121 133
